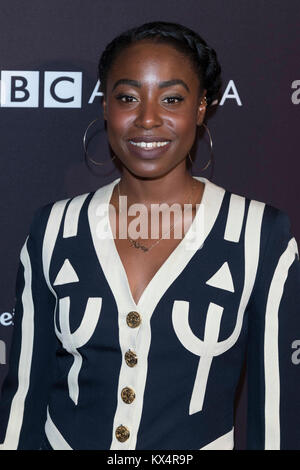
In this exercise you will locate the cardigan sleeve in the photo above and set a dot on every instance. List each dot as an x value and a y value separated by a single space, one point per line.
273 359
23 404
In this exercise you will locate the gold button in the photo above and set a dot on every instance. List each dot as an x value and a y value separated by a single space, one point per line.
133 319
131 358
127 395
122 433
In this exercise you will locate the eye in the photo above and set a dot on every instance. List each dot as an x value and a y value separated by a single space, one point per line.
178 98
128 98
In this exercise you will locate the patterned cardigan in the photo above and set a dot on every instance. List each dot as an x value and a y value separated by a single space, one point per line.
91 369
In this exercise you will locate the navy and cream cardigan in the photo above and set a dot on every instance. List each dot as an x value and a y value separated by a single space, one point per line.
91 369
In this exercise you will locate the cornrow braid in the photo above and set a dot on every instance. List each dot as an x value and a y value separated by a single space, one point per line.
185 40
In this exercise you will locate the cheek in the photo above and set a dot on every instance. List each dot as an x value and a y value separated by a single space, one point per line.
184 126
118 123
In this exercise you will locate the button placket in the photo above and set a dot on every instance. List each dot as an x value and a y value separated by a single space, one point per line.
128 394
133 320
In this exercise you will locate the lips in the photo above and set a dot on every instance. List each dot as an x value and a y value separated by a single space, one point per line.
142 151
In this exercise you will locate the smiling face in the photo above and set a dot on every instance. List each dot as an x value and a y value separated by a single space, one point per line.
153 94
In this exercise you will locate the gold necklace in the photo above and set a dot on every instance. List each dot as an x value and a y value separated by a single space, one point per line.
136 244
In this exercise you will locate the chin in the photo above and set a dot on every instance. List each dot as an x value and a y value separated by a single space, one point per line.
149 171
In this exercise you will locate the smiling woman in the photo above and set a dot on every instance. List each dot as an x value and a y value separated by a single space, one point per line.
117 349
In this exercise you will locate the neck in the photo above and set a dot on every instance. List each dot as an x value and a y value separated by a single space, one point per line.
169 188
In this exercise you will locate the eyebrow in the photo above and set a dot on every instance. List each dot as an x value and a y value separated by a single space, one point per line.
165 84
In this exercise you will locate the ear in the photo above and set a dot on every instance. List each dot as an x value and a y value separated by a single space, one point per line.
201 108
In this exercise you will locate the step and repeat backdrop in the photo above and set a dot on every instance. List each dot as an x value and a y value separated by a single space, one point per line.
50 93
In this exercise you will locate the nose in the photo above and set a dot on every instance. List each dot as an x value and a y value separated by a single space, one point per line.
148 115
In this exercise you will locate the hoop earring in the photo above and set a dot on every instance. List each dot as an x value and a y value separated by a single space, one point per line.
85 146
211 149
190 158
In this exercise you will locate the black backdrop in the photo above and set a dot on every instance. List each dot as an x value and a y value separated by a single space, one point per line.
255 127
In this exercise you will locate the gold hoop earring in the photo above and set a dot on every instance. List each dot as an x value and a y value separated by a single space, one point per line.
85 146
211 149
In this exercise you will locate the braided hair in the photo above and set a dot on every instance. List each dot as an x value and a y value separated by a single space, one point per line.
203 58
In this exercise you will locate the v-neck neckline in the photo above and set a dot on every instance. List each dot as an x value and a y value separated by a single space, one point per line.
171 255
112 265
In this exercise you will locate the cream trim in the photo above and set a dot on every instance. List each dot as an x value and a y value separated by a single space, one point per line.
51 233
251 252
58 442
11 441
235 218
222 279
55 438
203 348
72 215
271 351
66 274
225 442
72 341
50 238
251 249
16 414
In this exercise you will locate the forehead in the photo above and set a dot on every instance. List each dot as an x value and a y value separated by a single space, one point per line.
149 61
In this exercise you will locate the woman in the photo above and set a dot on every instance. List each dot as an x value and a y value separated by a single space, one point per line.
131 342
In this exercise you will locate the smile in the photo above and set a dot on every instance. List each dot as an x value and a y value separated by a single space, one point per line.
149 145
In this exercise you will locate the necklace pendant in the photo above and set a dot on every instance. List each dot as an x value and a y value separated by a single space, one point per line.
137 245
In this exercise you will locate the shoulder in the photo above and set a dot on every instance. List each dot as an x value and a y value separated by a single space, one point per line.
55 211
272 216
271 224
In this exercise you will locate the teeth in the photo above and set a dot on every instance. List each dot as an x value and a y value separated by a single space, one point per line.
149 145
